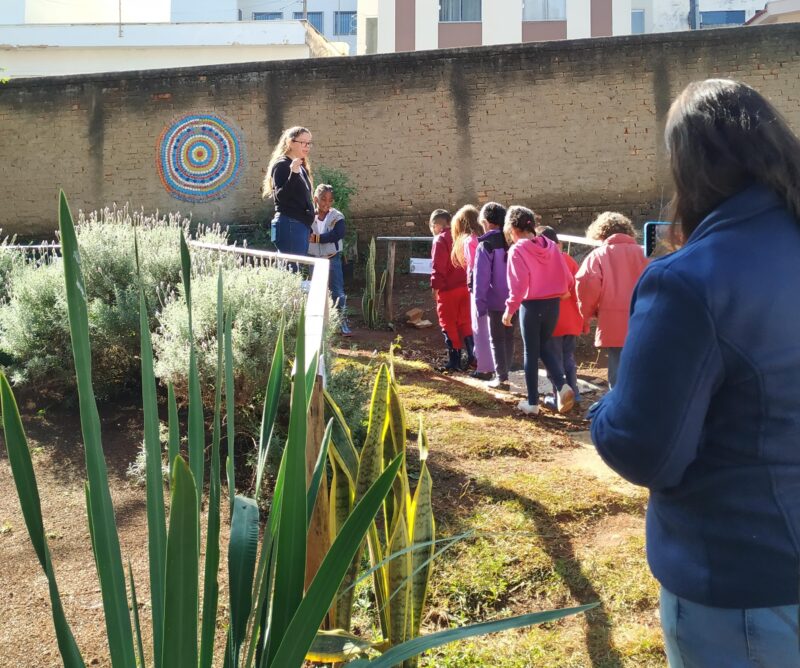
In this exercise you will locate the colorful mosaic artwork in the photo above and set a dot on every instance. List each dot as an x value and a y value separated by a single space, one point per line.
199 158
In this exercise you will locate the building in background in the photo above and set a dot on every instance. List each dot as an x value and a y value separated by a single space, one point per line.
49 37
778 11
336 20
387 26
51 50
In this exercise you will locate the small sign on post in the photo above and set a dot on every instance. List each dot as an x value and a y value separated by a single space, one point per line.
420 265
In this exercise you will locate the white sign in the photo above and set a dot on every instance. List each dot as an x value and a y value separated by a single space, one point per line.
420 265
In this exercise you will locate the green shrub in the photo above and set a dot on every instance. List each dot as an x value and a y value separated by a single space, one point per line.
34 339
257 298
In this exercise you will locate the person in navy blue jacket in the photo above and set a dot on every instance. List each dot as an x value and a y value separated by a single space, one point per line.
706 410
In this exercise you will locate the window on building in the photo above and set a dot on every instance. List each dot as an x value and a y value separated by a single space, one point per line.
637 22
267 16
314 18
544 10
721 19
460 10
345 23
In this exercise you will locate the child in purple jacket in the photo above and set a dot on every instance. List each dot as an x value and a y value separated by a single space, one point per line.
490 288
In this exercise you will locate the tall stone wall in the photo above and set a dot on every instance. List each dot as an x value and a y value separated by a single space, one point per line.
570 128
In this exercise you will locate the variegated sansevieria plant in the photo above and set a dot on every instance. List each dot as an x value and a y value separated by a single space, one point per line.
274 620
401 543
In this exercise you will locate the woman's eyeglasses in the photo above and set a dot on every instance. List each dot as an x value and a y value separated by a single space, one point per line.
307 144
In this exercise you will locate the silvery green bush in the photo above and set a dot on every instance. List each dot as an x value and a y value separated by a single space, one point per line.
34 339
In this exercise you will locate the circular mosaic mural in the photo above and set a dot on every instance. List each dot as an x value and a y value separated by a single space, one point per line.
199 158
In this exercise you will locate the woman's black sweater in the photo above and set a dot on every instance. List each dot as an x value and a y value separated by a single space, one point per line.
292 192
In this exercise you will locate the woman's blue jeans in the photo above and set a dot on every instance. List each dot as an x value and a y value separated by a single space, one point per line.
699 636
290 235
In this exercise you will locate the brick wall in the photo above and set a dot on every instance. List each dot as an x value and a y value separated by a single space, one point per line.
569 128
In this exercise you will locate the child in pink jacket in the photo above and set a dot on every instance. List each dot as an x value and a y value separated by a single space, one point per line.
537 279
605 282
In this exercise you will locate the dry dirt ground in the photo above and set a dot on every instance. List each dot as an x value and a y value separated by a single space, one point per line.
555 526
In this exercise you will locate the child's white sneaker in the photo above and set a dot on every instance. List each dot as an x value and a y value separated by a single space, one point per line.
526 408
565 399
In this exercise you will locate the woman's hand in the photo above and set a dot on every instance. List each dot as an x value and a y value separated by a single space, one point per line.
297 163
507 318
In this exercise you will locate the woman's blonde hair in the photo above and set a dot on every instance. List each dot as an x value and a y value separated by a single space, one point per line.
609 223
281 150
464 224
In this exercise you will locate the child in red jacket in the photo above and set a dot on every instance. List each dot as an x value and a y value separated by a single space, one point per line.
449 286
568 327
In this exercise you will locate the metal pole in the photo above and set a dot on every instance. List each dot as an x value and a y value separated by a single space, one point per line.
305 10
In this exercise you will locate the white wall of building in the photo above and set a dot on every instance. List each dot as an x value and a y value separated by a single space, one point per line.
71 11
387 34
502 21
579 19
366 9
45 50
621 17
193 11
426 19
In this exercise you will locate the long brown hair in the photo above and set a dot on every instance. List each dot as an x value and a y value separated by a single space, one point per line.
282 149
464 224
723 136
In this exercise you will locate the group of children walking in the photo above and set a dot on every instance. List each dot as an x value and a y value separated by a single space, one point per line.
496 267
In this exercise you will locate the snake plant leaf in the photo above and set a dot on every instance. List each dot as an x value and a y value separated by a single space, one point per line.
19 458
411 648
270 411
108 557
343 447
230 412
337 646
156 519
210 578
181 594
197 443
399 581
174 444
299 634
137 626
319 471
290 555
242 550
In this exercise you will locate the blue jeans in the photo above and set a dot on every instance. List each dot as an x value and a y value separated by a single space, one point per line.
563 350
613 365
698 636
290 235
336 283
537 320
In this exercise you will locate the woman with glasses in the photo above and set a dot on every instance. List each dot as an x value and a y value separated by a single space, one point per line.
289 183
706 409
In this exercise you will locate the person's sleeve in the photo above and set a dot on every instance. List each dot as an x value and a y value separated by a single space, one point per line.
588 285
440 259
335 235
280 175
649 427
517 272
569 276
480 287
